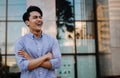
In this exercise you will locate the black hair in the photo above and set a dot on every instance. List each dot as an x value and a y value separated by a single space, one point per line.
30 9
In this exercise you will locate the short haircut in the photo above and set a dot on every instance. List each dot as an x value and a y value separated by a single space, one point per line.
29 10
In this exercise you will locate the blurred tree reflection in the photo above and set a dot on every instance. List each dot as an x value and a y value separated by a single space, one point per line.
64 12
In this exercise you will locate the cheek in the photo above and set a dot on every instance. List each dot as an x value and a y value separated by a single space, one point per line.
32 24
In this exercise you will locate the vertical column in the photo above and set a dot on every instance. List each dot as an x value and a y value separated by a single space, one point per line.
114 12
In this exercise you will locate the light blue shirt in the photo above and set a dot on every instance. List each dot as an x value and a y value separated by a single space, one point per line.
37 47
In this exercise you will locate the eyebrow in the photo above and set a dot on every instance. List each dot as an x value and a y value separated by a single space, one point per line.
37 16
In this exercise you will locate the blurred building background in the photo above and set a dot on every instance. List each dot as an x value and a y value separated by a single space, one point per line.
87 31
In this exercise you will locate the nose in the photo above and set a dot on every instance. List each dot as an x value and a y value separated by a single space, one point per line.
39 19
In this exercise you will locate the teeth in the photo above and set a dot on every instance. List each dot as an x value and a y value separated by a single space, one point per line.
39 24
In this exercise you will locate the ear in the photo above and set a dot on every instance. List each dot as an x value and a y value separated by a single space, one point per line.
27 23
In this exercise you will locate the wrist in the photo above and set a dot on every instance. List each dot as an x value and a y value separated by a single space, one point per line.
45 57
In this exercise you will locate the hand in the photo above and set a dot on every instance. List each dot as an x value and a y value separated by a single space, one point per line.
24 54
49 55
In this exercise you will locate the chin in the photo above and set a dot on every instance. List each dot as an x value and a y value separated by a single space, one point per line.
38 30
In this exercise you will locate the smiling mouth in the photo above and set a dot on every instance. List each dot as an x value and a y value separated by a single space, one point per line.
39 24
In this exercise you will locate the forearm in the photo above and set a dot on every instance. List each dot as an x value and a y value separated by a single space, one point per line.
51 64
46 64
34 63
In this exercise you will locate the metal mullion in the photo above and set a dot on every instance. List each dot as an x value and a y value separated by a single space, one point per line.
96 38
6 28
8 55
75 48
80 53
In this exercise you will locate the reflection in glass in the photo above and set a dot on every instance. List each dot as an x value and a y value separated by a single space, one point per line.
2 61
104 36
83 9
103 26
2 37
65 25
16 9
102 10
85 37
2 67
67 67
15 30
2 9
103 2
11 62
86 67
64 18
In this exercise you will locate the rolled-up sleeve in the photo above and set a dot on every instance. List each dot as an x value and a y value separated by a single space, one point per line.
21 61
56 61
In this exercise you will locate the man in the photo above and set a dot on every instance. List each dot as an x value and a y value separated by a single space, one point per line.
37 54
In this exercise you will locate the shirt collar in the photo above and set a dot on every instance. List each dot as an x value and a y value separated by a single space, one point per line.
32 36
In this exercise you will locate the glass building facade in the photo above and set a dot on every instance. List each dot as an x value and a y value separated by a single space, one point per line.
82 29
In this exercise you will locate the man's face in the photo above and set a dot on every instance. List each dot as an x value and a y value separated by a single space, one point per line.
35 22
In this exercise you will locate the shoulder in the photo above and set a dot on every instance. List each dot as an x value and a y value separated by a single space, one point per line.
21 39
49 37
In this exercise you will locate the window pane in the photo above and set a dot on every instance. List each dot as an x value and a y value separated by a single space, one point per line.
102 10
2 66
104 36
86 67
2 9
103 26
83 9
65 25
2 37
16 9
67 67
11 62
2 60
85 37
15 30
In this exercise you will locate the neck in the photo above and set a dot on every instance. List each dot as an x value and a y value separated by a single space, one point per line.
37 33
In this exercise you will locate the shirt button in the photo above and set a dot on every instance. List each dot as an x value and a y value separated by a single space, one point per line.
40 73
38 48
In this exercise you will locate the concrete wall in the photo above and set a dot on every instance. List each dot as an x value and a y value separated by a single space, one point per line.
114 11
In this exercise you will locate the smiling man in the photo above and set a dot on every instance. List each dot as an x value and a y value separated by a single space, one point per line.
37 54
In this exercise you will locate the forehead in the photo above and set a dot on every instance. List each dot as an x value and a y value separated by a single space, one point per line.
35 13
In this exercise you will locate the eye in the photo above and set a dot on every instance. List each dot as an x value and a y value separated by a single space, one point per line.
35 17
40 17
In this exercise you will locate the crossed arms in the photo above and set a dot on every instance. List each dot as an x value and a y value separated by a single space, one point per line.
42 61
51 60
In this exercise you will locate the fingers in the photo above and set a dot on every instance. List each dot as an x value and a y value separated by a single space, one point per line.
49 52
50 55
22 53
